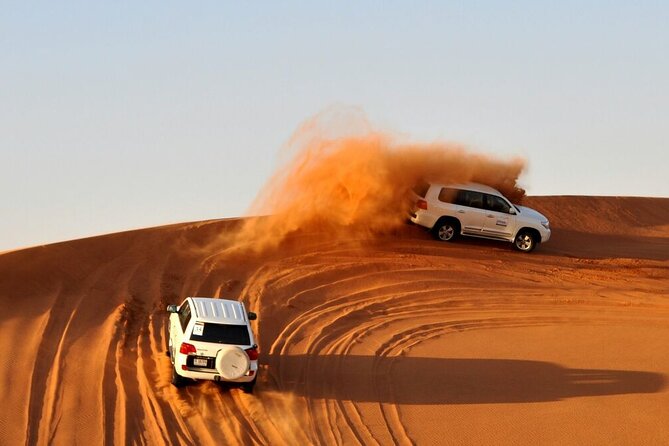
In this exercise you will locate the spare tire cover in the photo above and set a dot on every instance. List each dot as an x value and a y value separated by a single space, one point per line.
232 362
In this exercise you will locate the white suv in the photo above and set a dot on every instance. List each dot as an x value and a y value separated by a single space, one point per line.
479 211
212 339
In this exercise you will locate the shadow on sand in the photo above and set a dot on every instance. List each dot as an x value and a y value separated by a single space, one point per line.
417 380
563 243
584 245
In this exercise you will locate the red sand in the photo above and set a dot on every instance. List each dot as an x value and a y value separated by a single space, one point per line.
399 340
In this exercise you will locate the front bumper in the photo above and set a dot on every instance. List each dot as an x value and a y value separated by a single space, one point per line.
545 235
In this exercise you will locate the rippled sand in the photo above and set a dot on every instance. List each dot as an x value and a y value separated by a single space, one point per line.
397 341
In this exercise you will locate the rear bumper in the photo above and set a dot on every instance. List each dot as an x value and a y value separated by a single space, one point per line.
212 374
423 218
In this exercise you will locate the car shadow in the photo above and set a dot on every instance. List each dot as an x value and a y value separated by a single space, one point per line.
420 380
567 242
563 243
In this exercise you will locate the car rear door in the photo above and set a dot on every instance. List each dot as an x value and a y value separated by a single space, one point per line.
469 210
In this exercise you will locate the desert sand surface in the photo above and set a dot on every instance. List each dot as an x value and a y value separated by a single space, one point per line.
396 340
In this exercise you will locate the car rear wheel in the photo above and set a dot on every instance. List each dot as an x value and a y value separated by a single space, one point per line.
446 230
248 387
525 241
177 380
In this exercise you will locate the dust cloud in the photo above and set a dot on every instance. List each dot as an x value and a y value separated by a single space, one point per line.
358 186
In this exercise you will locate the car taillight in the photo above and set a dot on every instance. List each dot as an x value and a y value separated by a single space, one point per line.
253 353
187 348
421 204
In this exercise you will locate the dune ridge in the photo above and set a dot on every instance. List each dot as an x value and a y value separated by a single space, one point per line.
395 340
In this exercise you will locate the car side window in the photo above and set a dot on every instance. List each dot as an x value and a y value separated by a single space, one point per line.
469 198
184 315
476 199
497 204
462 198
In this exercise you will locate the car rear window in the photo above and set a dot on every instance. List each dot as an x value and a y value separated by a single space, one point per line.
421 189
221 333
447 195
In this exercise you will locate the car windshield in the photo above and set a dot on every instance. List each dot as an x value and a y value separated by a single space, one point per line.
221 333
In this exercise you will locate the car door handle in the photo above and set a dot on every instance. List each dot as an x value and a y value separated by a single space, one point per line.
460 211
490 216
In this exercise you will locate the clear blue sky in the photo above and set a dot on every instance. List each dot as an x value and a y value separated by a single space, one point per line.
119 115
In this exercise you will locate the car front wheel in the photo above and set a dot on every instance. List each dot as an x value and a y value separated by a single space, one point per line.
525 241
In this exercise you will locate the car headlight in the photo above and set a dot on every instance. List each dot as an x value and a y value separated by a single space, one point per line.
546 224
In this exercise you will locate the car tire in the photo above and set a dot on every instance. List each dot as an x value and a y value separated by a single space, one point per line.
248 387
525 241
177 380
446 230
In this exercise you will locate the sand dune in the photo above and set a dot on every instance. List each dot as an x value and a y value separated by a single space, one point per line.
400 340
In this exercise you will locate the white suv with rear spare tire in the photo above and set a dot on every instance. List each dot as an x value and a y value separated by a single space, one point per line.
211 339
479 211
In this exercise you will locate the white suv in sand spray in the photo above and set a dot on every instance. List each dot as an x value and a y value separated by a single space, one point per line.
478 211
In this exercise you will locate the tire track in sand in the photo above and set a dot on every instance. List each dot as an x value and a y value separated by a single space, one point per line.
337 324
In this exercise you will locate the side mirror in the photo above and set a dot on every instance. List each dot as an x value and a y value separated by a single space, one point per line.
172 309
252 316
512 211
